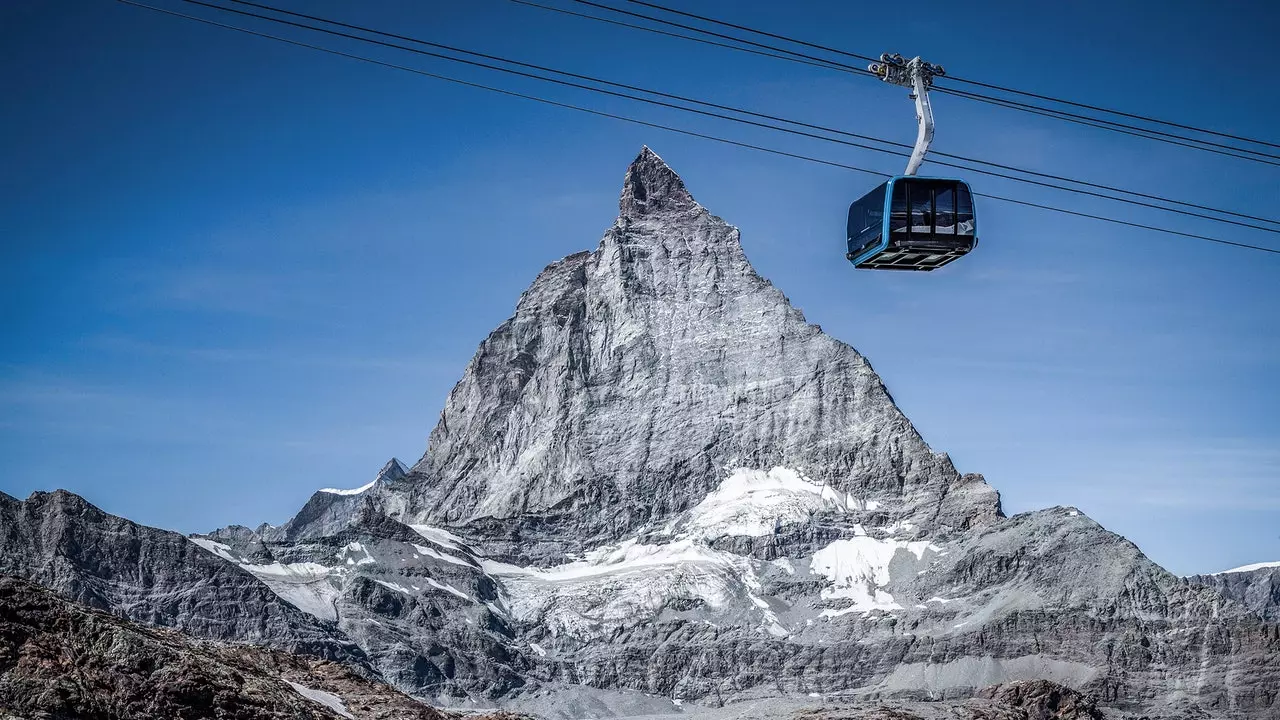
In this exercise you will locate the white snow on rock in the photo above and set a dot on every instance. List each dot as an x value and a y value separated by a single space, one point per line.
443 538
310 587
328 699
394 586
221 550
631 583
1249 568
449 589
424 550
355 491
757 502
858 568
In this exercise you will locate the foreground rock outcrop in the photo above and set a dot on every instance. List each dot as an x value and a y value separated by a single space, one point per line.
61 660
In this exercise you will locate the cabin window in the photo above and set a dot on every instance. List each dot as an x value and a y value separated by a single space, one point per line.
866 219
944 210
964 211
898 209
920 198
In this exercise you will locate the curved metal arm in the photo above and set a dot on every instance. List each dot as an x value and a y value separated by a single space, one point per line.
917 75
924 119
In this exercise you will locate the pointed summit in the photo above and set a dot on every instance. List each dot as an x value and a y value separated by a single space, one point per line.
651 187
331 509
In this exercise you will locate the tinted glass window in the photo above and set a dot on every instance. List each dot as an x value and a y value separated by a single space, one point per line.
944 205
866 217
964 211
920 196
898 208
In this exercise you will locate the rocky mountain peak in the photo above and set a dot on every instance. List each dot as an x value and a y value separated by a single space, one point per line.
393 470
634 379
652 187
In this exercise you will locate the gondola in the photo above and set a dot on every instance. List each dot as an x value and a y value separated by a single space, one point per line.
912 222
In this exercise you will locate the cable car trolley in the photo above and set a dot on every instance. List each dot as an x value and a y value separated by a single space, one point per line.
911 222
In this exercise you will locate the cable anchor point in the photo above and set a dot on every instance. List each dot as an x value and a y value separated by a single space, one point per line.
918 75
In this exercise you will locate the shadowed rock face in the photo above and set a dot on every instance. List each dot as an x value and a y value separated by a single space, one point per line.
329 511
152 576
1258 590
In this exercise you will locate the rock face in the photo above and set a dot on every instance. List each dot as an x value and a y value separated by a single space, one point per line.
330 510
1030 700
1257 587
427 616
656 487
62 660
152 576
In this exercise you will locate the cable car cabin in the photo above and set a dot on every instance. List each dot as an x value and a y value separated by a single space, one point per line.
912 223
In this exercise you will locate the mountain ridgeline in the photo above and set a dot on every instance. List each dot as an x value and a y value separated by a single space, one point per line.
631 376
657 488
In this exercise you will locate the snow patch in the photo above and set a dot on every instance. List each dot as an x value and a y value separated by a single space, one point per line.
424 550
538 649
328 699
443 538
449 589
1249 568
631 583
352 548
308 586
858 568
217 548
756 503
393 586
354 491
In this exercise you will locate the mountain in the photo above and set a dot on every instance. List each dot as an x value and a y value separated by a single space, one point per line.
1255 586
658 489
63 660
631 376
656 476
153 576
424 612
330 509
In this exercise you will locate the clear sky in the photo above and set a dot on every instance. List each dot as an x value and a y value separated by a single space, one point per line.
234 271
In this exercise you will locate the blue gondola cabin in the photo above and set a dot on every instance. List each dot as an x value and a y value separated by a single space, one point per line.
912 223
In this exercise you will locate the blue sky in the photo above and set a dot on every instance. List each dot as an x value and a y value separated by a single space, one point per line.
233 271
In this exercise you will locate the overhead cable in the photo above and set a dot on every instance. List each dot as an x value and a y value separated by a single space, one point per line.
990 86
731 118
669 128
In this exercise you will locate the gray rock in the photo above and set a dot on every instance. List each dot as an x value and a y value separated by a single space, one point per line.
152 576
328 511
62 660
1257 589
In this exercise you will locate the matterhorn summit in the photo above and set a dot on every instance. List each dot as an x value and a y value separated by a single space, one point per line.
634 379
